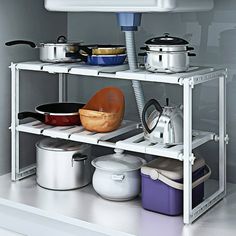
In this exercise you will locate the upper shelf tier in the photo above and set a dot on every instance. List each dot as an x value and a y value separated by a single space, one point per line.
196 74
128 5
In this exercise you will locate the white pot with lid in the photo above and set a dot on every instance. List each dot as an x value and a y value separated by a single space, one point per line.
117 176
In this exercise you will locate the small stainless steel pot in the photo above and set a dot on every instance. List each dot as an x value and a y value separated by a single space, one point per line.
63 165
169 62
52 52
167 54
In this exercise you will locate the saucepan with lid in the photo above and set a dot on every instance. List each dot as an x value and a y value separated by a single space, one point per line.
53 52
167 54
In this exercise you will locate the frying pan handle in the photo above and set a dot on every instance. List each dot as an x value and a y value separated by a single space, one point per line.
20 42
77 55
37 116
86 49
158 107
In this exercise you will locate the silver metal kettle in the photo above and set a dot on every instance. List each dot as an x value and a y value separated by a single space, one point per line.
163 125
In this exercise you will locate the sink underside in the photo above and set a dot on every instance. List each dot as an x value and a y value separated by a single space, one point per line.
129 5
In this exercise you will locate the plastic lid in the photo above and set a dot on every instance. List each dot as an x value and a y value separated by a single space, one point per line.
118 162
60 145
172 169
166 39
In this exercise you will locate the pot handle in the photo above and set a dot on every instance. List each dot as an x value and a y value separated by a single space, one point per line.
157 106
191 54
190 48
144 48
21 42
118 177
37 116
78 157
77 55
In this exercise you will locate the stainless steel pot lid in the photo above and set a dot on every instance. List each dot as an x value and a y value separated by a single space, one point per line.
118 162
60 145
61 41
166 40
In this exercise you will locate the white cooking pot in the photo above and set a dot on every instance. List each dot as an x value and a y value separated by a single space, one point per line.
117 176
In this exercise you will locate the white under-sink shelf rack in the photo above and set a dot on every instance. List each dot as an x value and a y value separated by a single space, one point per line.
129 136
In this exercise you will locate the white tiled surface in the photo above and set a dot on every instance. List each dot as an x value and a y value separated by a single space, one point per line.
84 208
9 233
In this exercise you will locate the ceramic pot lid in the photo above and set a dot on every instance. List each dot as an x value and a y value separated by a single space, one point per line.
60 145
166 40
118 162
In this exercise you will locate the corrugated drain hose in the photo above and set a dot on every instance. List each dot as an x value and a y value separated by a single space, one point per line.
133 64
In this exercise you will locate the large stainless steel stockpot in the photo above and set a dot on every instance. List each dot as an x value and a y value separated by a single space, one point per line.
53 52
63 165
167 54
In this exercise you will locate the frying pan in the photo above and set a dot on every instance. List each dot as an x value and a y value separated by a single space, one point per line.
103 49
102 55
55 114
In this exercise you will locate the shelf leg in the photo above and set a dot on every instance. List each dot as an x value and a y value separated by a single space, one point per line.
63 88
187 152
222 133
15 103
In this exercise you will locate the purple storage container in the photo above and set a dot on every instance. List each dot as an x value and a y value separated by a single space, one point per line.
162 185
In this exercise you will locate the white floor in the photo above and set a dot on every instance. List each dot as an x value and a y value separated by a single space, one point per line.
84 208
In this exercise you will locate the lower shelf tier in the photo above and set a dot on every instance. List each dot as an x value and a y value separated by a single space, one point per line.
128 137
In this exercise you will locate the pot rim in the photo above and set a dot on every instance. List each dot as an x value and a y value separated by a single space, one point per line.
119 171
167 52
59 44
52 113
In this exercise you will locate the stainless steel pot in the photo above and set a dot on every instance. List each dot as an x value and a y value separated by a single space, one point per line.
52 52
63 165
169 62
167 54
163 125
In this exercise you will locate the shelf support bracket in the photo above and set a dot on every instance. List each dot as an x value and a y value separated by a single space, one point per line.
187 151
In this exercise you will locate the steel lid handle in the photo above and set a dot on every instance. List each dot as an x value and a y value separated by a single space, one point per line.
157 106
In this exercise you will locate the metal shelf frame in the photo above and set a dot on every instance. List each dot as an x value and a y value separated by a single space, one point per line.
188 80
